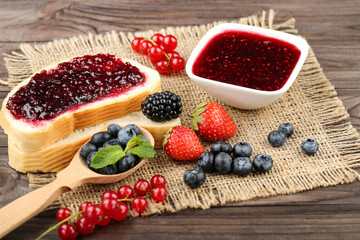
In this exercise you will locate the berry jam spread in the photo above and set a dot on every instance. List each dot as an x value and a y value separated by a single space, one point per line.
248 60
79 81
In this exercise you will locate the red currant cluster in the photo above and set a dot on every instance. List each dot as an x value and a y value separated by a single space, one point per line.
160 50
112 207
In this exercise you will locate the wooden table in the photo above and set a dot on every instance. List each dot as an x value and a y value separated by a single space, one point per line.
332 29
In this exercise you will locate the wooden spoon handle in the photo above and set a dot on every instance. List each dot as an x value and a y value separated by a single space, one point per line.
22 209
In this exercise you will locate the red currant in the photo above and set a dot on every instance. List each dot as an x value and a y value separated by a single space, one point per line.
125 192
177 64
159 194
108 206
109 194
93 214
156 54
169 43
67 232
105 220
163 67
120 212
135 44
142 187
145 46
84 227
62 214
157 38
172 54
139 204
84 205
157 181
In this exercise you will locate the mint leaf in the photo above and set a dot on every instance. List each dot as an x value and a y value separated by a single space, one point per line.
135 141
144 150
107 156
140 148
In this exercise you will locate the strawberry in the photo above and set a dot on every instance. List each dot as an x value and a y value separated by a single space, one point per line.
212 123
181 143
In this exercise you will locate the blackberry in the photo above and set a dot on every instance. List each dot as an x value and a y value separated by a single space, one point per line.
162 106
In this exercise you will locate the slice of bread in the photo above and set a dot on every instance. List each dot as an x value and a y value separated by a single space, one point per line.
30 137
56 157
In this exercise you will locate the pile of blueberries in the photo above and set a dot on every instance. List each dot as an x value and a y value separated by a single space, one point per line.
115 135
219 160
278 137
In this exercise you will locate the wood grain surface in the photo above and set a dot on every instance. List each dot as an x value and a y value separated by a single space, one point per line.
331 27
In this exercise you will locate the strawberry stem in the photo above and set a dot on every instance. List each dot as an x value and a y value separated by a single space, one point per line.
58 224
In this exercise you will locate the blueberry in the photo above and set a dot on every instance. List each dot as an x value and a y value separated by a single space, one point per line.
262 163
126 162
242 166
137 160
143 138
221 147
194 177
86 149
112 142
133 127
206 161
89 158
242 149
109 170
286 128
309 146
223 162
113 129
125 134
98 139
276 138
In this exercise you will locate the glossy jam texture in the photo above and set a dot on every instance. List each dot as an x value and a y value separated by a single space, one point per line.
247 59
79 81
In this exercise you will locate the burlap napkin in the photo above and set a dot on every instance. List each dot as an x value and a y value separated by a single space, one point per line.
311 105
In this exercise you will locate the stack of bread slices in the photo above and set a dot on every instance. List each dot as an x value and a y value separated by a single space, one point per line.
51 145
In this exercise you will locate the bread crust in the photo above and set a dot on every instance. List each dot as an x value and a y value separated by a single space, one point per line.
57 156
31 138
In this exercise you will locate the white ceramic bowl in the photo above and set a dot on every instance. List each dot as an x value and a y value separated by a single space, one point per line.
243 97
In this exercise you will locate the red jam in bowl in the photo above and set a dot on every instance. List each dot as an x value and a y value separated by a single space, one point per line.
71 84
247 59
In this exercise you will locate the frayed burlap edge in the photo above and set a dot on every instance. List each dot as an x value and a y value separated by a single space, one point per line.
327 107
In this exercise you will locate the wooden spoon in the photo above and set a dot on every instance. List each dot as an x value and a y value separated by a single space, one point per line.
77 173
